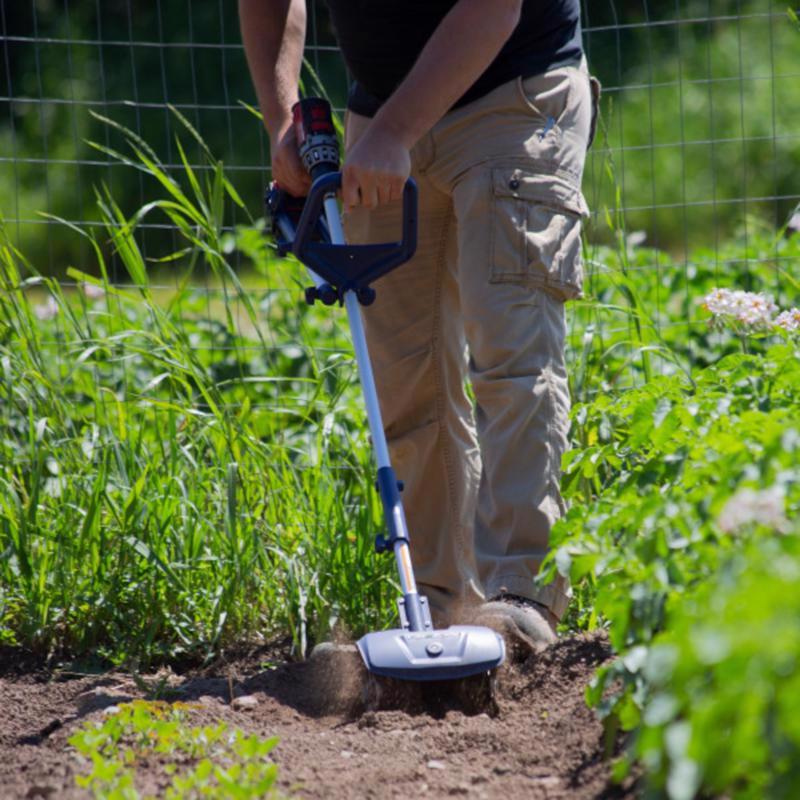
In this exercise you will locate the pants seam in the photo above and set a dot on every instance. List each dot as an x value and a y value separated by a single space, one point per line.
551 434
437 368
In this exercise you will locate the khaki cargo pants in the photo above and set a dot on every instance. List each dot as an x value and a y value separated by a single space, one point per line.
499 253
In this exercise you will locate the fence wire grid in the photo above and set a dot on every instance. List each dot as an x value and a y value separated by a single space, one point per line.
698 146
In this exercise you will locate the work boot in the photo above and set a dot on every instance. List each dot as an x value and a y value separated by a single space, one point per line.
519 619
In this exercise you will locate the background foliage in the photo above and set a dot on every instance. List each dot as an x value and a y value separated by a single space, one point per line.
697 111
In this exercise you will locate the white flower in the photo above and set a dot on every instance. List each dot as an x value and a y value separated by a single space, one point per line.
46 310
718 301
789 320
636 239
92 290
765 507
751 309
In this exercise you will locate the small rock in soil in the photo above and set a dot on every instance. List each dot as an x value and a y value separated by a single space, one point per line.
99 698
245 703
328 649
207 700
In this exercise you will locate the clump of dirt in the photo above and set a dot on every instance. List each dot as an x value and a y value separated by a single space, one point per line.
337 682
535 739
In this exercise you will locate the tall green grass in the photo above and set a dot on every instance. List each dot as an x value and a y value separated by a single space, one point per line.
171 482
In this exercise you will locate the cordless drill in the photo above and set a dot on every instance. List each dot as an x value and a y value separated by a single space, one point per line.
318 147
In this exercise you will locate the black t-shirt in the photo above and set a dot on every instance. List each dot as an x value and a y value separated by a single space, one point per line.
381 39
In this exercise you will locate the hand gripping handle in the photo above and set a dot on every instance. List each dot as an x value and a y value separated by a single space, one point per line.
345 266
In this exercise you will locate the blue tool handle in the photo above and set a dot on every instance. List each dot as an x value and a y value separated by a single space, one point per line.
360 256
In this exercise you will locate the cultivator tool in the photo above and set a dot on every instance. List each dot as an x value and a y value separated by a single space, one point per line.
343 273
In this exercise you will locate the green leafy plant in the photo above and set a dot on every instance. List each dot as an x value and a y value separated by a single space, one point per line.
680 486
202 761
719 687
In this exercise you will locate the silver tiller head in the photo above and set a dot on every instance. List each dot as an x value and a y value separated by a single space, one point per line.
448 654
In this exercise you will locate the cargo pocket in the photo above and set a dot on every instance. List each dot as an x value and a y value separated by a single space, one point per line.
535 231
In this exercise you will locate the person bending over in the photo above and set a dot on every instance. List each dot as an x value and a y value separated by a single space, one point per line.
488 105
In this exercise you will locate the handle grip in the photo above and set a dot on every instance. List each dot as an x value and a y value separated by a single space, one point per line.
351 267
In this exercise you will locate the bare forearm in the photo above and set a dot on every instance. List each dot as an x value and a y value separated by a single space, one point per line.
459 51
273 32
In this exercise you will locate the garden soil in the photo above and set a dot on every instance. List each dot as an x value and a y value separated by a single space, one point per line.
536 740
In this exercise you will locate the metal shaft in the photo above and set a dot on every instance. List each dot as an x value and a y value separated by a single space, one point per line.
395 512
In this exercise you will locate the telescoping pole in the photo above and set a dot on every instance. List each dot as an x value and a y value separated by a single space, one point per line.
387 482
319 151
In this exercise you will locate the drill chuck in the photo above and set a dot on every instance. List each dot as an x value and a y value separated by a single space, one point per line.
316 136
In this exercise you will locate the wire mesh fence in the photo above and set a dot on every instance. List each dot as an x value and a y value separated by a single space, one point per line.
698 147
699 105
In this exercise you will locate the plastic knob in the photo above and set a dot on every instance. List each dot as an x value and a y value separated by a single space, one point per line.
327 294
366 295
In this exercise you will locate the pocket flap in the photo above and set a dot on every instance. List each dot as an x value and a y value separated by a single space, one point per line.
545 189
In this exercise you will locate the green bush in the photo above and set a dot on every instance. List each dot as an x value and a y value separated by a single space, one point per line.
723 689
681 542
655 470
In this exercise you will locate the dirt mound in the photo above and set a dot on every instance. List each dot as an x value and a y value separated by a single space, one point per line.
538 739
